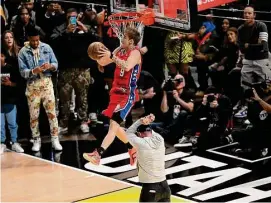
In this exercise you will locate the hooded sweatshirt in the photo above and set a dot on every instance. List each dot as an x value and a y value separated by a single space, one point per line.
150 155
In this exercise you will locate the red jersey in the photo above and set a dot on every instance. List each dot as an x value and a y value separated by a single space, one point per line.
125 82
123 94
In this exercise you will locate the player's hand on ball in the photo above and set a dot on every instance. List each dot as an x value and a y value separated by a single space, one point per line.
103 52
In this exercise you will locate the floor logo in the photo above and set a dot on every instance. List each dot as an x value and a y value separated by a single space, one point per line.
217 174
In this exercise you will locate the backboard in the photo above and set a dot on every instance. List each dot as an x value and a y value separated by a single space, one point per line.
170 14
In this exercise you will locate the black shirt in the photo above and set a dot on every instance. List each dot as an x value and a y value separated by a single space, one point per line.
175 107
9 94
147 81
250 35
231 51
258 117
216 117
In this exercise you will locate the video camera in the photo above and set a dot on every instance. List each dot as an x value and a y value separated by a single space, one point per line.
171 84
258 86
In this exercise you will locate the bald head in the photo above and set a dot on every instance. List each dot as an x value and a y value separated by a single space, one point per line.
249 15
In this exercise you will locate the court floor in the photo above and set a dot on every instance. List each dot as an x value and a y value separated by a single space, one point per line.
26 178
48 176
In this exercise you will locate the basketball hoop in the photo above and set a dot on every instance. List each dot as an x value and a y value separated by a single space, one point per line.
120 21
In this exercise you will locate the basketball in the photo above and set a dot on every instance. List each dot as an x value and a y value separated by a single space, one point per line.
93 50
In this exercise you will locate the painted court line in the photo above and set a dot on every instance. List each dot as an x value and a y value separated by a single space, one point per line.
92 174
235 157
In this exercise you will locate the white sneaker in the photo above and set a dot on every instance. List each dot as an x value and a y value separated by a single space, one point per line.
247 122
93 116
183 142
3 148
236 107
194 140
84 128
55 143
36 144
17 148
57 157
229 139
264 152
242 113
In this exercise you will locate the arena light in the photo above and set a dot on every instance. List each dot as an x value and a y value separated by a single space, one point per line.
207 4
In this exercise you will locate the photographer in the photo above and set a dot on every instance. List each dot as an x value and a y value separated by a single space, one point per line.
257 137
210 120
177 104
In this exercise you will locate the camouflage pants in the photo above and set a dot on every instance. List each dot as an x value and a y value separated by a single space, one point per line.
37 92
79 80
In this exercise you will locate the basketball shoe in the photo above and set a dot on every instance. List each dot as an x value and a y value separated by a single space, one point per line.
93 157
132 154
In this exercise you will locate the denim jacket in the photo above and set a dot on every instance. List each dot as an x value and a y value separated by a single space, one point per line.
27 62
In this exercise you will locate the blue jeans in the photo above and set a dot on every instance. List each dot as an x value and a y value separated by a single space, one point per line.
9 112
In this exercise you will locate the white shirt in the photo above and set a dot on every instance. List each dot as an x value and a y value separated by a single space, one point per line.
150 155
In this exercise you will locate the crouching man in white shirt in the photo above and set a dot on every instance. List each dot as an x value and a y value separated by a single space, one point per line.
150 148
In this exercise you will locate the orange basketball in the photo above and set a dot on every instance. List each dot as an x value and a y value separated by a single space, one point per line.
93 50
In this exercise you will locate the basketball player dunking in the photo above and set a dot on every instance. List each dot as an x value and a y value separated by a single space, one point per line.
123 94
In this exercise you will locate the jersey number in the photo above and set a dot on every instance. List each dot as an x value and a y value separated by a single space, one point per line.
121 72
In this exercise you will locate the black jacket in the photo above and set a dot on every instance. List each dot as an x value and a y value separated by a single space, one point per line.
9 94
71 48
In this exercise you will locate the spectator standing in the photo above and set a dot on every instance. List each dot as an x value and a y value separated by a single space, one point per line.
21 26
253 42
36 62
71 40
8 108
11 50
50 18
28 4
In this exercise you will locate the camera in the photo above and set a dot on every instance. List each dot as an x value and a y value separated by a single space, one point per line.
171 83
258 86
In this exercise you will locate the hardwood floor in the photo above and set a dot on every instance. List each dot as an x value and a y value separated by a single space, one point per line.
30 179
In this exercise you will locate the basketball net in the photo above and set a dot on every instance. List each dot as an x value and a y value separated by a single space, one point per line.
120 21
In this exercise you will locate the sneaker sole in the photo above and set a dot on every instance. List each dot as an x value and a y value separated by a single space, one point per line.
17 151
183 145
59 150
91 160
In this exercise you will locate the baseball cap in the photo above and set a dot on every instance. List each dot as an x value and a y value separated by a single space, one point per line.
144 128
